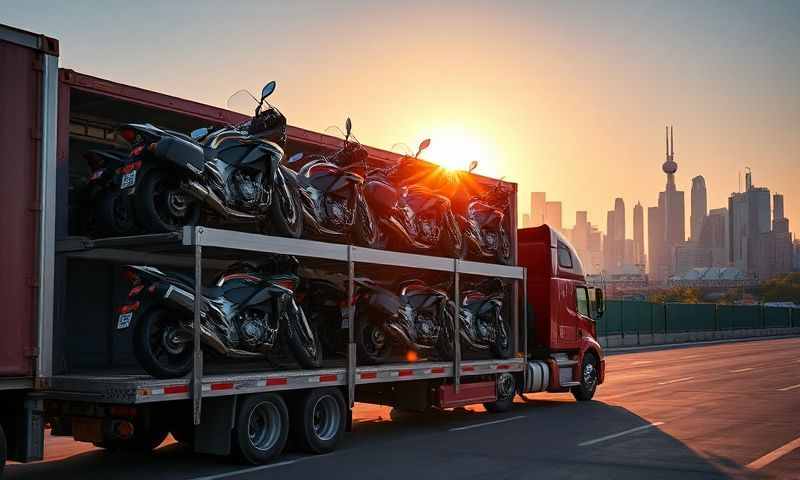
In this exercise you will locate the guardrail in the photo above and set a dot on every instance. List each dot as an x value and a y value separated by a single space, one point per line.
644 323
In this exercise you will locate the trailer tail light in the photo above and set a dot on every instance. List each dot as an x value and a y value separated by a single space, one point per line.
131 307
137 151
128 134
130 167
135 290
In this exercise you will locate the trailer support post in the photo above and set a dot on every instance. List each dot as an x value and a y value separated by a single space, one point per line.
456 326
525 314
351 346
197 363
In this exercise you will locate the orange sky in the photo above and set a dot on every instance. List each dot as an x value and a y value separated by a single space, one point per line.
570 99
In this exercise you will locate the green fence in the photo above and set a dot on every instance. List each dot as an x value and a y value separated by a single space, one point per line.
634 318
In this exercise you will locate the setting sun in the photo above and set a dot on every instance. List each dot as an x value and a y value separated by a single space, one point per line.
455 147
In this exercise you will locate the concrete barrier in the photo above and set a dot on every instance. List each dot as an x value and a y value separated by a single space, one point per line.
634 340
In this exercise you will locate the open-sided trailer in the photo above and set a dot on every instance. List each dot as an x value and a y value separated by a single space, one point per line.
217 399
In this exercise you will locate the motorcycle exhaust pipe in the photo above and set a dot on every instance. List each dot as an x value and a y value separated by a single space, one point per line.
208 198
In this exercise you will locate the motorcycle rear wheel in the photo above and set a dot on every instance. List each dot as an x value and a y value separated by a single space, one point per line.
153 348
372 344
161 206
115 214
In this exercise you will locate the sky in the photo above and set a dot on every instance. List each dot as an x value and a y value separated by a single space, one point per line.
569 98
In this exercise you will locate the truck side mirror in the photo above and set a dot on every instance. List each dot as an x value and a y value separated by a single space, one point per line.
601 303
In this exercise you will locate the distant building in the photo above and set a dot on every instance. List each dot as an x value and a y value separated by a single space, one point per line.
699 208
714 277
780 224
630 253
690 255
538 200
638 234
714 236
797 255
552 214
526 220
666 228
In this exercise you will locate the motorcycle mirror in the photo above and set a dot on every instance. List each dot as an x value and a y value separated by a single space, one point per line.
348 127
199 133
268 89
422 146
472 165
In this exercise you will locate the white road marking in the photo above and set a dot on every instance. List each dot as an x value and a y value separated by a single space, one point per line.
615 435
684 379
642 362
477 425
743 370
255 469
774 455
791 387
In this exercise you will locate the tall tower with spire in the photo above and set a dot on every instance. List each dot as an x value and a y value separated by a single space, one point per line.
666 228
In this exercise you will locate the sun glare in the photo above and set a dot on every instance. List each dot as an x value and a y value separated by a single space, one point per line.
455 148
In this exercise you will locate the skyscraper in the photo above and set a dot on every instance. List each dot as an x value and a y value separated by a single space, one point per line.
638 234
552 214
714 236
748 217
666 227
609 259
699 208
526 220
537 208
780 224
619 233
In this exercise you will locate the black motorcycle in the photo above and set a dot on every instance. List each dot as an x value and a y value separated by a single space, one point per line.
233 174
482 222
418 319
331 189
483 325
246 314
412 217
105 210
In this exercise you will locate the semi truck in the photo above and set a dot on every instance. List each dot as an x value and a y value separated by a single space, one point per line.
66 369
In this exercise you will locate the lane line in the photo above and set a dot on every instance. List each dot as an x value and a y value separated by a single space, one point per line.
791 387
478 425
743 370
255 469
615 435
774 455
642 362
684 379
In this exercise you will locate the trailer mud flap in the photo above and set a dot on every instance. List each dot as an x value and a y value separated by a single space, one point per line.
213 435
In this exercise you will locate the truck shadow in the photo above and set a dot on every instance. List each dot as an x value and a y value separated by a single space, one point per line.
547 436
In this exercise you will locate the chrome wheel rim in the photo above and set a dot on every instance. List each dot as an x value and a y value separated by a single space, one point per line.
589 375
505 386
326 417
264 426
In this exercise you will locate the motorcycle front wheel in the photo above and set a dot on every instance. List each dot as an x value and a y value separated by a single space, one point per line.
365 228
451 242
306 346
161 206
503 346
159 346
503 254
286 210
372 343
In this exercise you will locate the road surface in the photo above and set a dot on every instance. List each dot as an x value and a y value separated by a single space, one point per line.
711 411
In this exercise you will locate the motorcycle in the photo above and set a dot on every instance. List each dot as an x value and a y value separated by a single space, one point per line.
331 192
482 323
232 173
104 210
246 314
482 225
412 217
418 318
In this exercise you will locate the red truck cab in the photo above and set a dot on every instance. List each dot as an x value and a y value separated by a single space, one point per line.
562 310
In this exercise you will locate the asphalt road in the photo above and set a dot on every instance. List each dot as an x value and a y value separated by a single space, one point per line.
712 411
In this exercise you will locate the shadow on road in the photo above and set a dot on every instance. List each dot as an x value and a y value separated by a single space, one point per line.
543 438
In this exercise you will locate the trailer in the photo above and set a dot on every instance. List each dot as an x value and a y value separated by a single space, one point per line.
66 364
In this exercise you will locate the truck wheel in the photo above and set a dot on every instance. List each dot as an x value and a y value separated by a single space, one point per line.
157 345
2 450
585 391
506 389
319 420
262 428
161 206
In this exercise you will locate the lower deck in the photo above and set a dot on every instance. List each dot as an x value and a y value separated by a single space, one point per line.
136 389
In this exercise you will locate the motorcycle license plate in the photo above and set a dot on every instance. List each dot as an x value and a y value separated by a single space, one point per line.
124 320
128 180
345 318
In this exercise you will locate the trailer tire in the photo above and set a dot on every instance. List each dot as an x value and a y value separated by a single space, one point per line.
319 420
146 441
262 428
585 391
2 450
506 390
